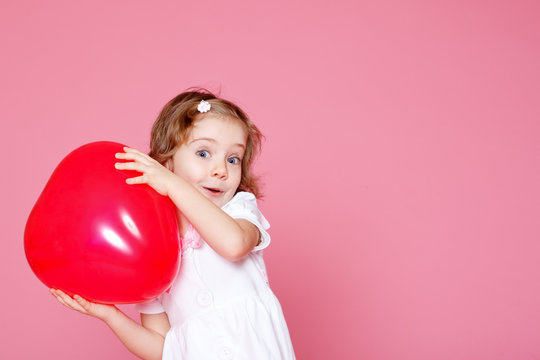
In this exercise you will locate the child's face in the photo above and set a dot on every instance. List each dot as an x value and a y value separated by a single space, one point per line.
211 158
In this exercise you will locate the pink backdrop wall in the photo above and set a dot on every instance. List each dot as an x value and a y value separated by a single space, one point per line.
401 163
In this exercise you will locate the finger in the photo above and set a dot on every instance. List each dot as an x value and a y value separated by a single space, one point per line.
59 296
129 153
85 304
53 293
62 302
68 301
135 166
133 151
137 180
135 155
74 304
57 292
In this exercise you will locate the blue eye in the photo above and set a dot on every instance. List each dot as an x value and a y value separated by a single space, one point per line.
203 154
233 160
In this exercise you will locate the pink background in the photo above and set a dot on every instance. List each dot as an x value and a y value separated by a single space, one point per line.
401 163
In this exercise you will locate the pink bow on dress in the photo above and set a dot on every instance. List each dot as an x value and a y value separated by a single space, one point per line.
191 239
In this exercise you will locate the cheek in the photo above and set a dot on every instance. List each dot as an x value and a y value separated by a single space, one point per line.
236 177
193 173
188 175
182 170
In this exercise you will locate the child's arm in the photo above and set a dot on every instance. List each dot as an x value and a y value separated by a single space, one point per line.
144 341
231 238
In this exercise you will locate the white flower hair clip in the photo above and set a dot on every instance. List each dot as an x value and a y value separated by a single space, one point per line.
204 106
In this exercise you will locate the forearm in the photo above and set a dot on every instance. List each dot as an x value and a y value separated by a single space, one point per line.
224 235
144 343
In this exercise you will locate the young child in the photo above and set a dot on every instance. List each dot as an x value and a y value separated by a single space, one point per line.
220 305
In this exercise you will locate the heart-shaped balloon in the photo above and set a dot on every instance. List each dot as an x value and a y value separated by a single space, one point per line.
92 234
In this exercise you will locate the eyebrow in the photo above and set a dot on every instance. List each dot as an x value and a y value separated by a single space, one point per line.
214 141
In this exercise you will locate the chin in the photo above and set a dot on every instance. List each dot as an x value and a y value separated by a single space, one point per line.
222 201
219 202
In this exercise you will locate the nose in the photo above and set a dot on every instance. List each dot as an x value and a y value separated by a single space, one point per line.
219 170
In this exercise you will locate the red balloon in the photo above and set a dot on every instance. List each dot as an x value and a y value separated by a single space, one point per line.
92 234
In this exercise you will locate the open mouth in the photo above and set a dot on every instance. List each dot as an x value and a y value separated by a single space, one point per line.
213 190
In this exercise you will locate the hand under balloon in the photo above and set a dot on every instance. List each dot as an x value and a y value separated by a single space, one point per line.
153 173
77 303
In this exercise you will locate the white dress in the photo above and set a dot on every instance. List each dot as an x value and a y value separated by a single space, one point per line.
220 309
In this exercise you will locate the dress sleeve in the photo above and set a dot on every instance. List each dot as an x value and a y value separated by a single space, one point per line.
150 307
244 206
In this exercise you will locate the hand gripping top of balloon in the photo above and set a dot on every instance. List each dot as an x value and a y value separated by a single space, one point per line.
91 234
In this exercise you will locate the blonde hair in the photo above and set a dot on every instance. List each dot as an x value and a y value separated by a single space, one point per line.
177 118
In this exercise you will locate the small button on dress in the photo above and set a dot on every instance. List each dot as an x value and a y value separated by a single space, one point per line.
204 298
226 353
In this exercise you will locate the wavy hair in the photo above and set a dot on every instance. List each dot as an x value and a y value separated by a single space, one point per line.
176 120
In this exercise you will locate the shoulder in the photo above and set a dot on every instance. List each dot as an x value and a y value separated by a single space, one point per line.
242 199
244 206
241 196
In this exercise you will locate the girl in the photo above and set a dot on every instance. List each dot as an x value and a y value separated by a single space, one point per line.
220 305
